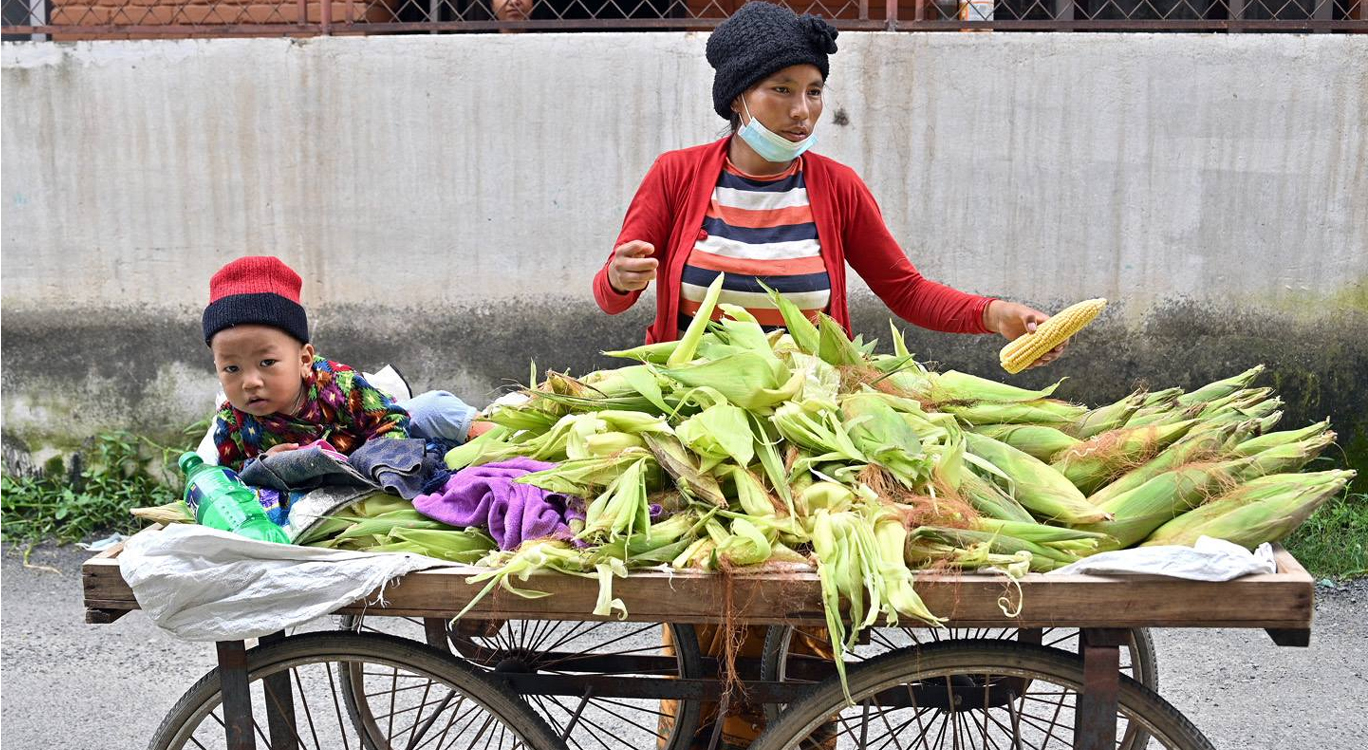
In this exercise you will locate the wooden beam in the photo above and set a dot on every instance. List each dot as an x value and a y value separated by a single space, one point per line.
792 595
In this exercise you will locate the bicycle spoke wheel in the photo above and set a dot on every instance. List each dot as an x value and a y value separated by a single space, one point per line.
782 661
420 698
587 722
967 695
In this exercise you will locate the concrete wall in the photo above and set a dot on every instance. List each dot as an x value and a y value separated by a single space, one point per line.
448 198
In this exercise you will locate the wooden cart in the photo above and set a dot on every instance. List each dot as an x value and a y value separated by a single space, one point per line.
1064 650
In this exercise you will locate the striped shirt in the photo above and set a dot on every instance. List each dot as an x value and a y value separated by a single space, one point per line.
757 229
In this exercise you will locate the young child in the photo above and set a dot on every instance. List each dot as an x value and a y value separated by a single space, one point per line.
280 394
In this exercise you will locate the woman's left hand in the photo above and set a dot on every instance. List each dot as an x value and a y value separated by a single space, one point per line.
1014 321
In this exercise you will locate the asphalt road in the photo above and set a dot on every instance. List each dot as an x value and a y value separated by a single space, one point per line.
68 685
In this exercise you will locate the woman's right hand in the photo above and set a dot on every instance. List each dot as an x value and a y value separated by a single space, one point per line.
632 268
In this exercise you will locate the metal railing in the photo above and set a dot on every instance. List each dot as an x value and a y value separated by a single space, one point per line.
111 19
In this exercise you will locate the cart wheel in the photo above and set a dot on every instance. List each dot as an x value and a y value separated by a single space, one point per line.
429 698
967 695
779 662
570 648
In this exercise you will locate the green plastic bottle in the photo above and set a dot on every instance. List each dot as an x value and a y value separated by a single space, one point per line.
221 501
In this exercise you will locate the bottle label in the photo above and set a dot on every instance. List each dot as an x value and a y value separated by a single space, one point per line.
209 483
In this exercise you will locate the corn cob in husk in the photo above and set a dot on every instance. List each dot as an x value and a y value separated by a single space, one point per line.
1037 486
990 501
1137 513
1039 412
1197 447
1255 445
1262 510
1038 440
1095 462
1113 416
1221 388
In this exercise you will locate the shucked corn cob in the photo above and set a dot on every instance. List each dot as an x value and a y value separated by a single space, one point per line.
1019 354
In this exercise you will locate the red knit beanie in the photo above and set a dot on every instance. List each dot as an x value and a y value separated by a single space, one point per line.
256 289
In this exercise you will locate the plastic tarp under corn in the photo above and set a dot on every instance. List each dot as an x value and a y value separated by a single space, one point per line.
1207 560
202 584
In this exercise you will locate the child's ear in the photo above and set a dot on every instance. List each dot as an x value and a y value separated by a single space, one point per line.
306 356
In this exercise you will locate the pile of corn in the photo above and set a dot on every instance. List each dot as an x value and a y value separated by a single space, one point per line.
806 446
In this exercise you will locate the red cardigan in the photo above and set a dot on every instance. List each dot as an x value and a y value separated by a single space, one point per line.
668 212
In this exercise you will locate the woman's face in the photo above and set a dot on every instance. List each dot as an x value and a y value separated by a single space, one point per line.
512 10
789 102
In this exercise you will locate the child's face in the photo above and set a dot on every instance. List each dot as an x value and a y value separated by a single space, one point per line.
262 369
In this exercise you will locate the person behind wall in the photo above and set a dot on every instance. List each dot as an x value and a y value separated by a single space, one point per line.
579 10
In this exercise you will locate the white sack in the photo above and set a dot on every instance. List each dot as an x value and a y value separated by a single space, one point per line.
203 584
1207 560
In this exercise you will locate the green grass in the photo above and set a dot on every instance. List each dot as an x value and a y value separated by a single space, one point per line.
115 478
1333 543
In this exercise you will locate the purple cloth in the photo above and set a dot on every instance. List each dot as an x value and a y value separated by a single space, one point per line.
486 496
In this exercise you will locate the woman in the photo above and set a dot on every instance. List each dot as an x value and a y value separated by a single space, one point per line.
760 207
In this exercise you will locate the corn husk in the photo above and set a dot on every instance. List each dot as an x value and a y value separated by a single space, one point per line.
718 433
657 353
1041 489
803 333
622 508
1221 388
454 545
1262 510
682 467
1047 412
1032 531
585 477
746 379
1043 558
1161 399
1038 440
901 600
1263 442
549 555
1093 463
952 387
1196 447
988 499
1106 418
882 437
816 426
173 512
1137 513
1281 459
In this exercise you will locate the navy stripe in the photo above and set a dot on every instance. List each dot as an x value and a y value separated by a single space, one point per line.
737 182
684 319
805 282
782 233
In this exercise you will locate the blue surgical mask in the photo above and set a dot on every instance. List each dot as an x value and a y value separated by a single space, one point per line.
770 145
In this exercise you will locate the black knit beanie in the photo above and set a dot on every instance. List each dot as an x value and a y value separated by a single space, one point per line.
760 39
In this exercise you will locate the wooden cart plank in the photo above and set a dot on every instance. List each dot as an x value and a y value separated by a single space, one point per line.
1281 601
971 600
